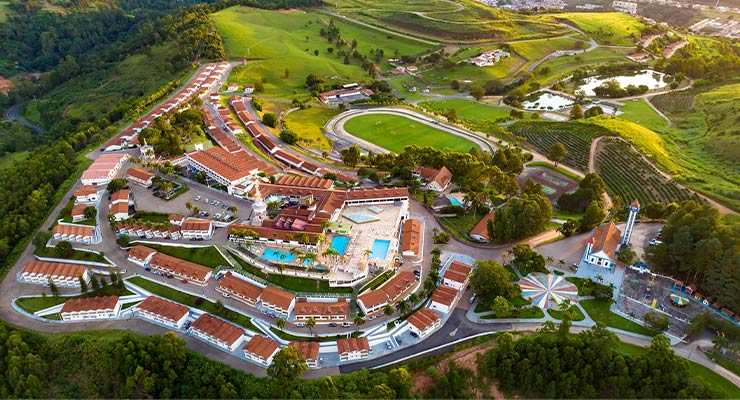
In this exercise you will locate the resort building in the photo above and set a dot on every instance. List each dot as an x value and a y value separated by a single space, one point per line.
444 299
226 169
104 169
214 330
479 233
120 196
73 233
411 238
277 300
309 351
193 273
240 289
456 276
261 350
78 212
40 272
84 308
375 300
353 348
163 311
141 255
176 219
436 180
119 211
197 229
321 311
86 194
424 322
140 176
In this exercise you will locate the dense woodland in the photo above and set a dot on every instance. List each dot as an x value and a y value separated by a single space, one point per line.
701 247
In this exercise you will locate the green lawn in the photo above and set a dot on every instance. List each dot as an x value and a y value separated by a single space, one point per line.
66 215
599 311
293 283
552 70
711 379
207 256
524 313
606 28
404 83
479 75
33 304
308 124
80 255
577 314
377 281
556 169
470 110
536 50
641 112
191 301
280 40
462 225
151 216
395 132
10 159
288 336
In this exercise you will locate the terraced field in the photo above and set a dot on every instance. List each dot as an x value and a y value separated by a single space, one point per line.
627 174
675 102
575 136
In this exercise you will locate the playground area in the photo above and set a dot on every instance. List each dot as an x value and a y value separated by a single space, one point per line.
554 184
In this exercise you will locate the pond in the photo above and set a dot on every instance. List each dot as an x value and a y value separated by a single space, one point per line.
651 79
548 101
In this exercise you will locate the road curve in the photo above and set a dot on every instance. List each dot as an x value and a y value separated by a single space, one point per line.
13 114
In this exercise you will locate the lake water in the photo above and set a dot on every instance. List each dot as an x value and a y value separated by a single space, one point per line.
648 77
548 101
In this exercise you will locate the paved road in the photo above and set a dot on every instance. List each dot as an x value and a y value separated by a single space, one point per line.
13 114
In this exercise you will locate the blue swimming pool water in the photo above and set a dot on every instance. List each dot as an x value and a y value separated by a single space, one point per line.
278 256
380 248
339 243
454 201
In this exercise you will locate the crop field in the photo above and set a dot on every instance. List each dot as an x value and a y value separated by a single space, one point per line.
627 174
575 136
538 49
606 28
469 109
395 132
289 39
558 68
676 102
639 111
479 75
308 124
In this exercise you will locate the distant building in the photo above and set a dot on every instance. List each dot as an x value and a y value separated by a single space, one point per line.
437 180
248 89
104 169
479 233
625 7
140 176
197 229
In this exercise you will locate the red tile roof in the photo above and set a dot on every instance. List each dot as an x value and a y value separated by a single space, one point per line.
606 238
223 163
164 308
308 350
278 297
218 328
78 210
302 181
119 208
411 239
139 174
481 228
196 225
361 194
352 344
54 269
90 304
393 288
337 308
140 252
120 195
85 190
444 295
423 318
241 287
441 176
76 230
261 346
182 267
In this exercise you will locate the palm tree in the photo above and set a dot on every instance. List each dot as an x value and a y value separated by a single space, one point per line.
600 278
196 209
280 324
330 253
325 224
402 306
358 321
388 310
720 342
550 260
413 299
189 205
233 209
310 324
430 285
435 277
366 253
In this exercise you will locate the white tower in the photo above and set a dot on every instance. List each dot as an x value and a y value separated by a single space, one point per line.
147 153
634 209
259 207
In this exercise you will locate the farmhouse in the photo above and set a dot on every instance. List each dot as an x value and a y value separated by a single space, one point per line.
140 176
86 194
104 169
163 311
488 58
217 331
479 233
640 57
194 273
232 87
240 289
261 349
444 299
62 274
73 233
248 89
437 180
321 311
411 238
197 229
456 275
602 246
353 348
277 300
309 351
424 321
83 308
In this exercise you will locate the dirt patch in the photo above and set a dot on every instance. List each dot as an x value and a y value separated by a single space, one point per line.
5 85
66 110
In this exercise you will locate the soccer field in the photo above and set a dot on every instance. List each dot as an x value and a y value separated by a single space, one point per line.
395 132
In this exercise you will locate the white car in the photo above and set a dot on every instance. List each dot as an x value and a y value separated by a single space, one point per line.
655 242
346 324
197 198
300 324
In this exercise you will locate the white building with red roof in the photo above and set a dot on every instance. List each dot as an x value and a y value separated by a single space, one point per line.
73 233
39 272
86 308
246 292
86 194
602 246
163 311
321 311
140 176
219 332
104 169
197 229
353 348
457 275
261 350
78 212
192 272
374 301
444 299
277 300
141 255
225 168
437 180
424 322
309 351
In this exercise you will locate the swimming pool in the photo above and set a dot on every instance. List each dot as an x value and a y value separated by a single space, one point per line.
339 243
380 248
454 201
278 256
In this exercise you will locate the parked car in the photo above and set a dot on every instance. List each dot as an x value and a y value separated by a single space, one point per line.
414 334
332 325
206 200
655 242
147 269
170 276
225 295
197 198
184 281
473 297
346 324
217 216
300 324
215 202
417 272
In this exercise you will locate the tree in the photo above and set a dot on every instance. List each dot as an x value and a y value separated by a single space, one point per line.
656 322
593 111
123 240
310 324
557 153
351 155
90 212
53 287
288 136
94 283
593 216
233 209
63 249
400 380
576 112
477 93
502 307
527 260
490 279
358 320
627 256
41 238
269 119
403 306
287 365
388 310
116 185
569 227
83 284
286 73
382 391
189 205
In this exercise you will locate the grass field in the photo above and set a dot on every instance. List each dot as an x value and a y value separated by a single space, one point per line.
552 70
606 28
308 124
470 110
462 225
79 255
10 159
33 304
404 83
640 112
536 50
479 75
577 314
599 311
395 132
288 39
711 379
397 5
4 10
191 301
207 256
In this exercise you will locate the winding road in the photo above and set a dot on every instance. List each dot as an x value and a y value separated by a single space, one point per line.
13 114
